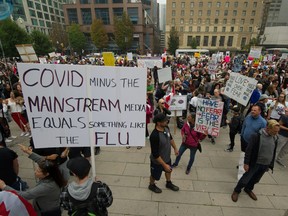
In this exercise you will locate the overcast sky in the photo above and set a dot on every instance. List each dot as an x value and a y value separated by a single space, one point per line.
161 1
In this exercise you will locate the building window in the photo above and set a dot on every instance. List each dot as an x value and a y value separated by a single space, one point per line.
191 4
34 22
85 1
117 1
230 41
40 15
225 12
222 41
236 4
190 21
103 14
224 21
207 21
191 12
173 21
251 21
250 29
215 29
189 40
181 29
208 12
101 1
232 29
182 4
30 4
72 15
241 29
243 41
48 24
173 13
217 13
242 21
42 23
226 4
244 13
216 21
182 12
233 21
173 4
246 4
181 21
254 4
209 4
253 13
234 12
206 39
190 28
133 14
46 16
199 21
218 4
214 41
198 29
38 6
86 16
200 4
198 40
207 29
224 29
200 13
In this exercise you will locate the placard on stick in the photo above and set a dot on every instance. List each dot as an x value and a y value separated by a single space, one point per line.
27 53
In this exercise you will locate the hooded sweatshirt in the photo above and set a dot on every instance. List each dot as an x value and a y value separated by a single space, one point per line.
80 191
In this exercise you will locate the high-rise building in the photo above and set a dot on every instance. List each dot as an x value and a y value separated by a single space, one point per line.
143 14
38 14
278 15
162 24
216 25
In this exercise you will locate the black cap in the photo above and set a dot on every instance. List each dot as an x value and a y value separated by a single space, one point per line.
160 117
79 166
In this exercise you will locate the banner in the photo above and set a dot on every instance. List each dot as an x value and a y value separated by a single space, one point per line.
178 102
164 75
240 88
208 116
149 63
255 52
73 105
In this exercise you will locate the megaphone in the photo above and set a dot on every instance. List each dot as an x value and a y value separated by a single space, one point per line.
6 8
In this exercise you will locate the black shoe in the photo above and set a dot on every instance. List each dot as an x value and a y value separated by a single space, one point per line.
171 186
154 188
229 149
174 165
213 141
187 171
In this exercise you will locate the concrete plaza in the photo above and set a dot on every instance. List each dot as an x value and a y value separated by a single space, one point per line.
205 191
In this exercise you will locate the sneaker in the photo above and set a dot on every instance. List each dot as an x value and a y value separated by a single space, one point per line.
13 137
27 134
229 149
171 186
187 171
280 163
174 165
22 134
213 141
154 188
139 147
8 140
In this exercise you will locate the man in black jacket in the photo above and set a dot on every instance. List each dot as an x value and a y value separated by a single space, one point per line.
259 157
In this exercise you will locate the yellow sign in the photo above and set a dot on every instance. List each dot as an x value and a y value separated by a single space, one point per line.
197 55
109 59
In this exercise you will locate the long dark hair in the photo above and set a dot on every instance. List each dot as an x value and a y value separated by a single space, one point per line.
50 167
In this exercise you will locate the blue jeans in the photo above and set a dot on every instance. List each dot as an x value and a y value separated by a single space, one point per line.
182 149
250 178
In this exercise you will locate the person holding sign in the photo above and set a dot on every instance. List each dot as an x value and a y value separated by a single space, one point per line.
190 140
161 141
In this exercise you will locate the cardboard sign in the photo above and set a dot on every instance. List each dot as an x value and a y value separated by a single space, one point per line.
208 116
75 105
109 59
164 75
240 88
255 52
149 63
178 102
27 52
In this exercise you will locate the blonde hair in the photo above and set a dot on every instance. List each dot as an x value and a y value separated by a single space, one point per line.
272 123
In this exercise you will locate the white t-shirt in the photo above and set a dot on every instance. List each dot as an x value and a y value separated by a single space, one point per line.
277 111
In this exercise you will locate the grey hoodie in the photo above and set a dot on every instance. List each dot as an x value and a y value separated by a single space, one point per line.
80 191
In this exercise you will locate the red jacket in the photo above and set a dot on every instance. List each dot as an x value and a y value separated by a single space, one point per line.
193 137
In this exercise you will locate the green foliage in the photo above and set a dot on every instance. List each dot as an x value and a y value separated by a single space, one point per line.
41 43
193 43
253 42
123 31
173 41
99 35
77 38
59 37
11 34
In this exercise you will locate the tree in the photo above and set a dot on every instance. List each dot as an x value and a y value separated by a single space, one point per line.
173 41
253 42
11 34
193 43
77 38
59 37
99 35
41 43
123 30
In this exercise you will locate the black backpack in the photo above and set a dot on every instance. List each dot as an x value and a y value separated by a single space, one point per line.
4 126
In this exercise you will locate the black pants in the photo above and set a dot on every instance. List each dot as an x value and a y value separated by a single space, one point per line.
232 139
243 144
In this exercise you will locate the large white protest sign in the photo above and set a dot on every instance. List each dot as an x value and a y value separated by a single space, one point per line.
212 67
255 52
164 74
240 88
178 102
75 105
149 63
208 116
